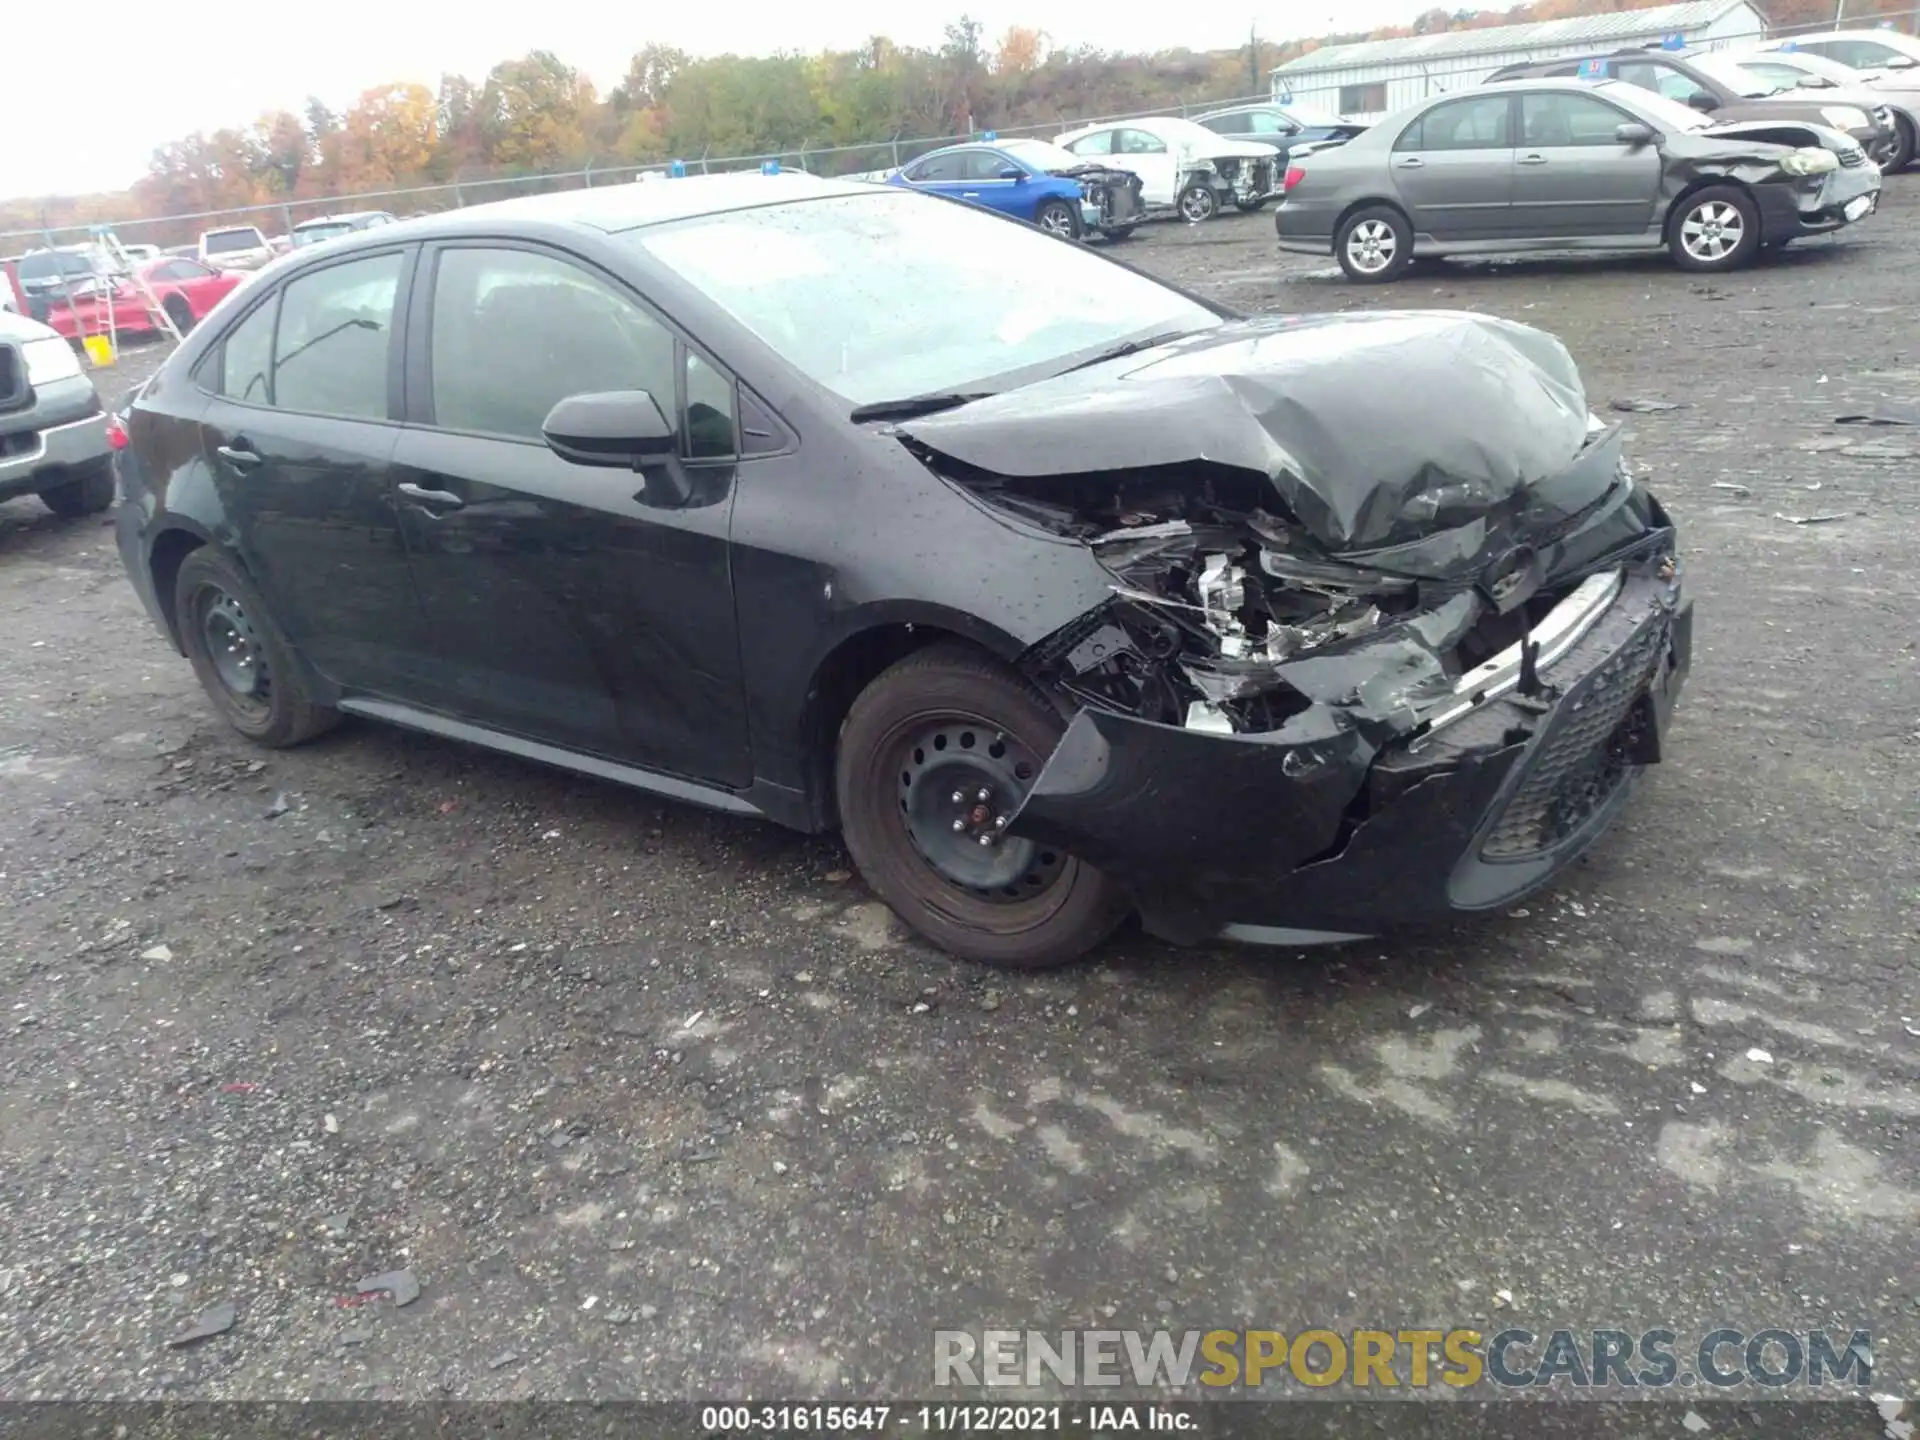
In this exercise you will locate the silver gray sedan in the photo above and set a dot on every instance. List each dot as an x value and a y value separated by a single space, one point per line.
1570 165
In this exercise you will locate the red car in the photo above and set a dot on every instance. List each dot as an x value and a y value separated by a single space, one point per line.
184 287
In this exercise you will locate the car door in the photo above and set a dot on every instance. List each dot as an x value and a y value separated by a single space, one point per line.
580 606
984 185
1572 177
298 436
1149 157
1453 166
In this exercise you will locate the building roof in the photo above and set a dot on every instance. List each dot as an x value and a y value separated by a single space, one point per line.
1615 26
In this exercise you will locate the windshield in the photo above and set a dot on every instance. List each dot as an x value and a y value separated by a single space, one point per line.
1664 113
1042 154
223 242
51 265
894 294
307 234
1737 77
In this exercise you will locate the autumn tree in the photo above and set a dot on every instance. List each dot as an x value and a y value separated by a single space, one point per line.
535 112
1020 50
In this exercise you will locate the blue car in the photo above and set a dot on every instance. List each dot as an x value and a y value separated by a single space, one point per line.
1032 181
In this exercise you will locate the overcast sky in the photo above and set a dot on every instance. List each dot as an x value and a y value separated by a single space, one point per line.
183 68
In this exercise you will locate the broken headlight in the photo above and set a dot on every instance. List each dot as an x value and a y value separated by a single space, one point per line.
1810 161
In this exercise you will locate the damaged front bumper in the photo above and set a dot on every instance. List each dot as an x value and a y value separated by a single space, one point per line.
1827 203
1466 803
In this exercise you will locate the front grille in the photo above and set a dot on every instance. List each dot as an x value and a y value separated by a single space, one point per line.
1582 759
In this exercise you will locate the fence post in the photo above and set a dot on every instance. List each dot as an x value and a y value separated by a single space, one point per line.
587 174
894 143
286 214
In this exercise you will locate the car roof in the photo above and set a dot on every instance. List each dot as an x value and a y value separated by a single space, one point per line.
1243 109
614 208
339 219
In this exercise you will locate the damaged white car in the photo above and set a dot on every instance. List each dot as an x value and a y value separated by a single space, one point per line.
1182 166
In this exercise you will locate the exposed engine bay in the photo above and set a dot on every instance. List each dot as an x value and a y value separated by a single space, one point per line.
1115 192
1249 179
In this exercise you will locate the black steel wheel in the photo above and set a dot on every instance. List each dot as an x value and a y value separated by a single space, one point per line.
1057 217
87 492
239 656
935 757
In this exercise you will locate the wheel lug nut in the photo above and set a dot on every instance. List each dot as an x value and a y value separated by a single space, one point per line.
958 826
959 797
984 795
986 839
999 822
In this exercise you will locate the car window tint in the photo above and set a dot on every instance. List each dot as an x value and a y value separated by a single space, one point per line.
710 416
1227 124
1265 122
336 324
1098 143
1552 120
246 367
1477 124
515 332
1140 142
939 167
1661 79
985 165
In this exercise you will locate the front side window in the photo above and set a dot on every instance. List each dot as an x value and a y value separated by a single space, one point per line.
1271 122
710 428
879 296
1552 120
987 165
1662 80
1228 124
515 332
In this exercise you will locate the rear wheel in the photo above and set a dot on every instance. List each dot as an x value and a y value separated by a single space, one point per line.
1901 155
239 655
88 492
1198 203
179 312
1056 217
1715 229
935 756
1374 245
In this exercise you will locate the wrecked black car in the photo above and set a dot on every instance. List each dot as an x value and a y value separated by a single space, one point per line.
1059 592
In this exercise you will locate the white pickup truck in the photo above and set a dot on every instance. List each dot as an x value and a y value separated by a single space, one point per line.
237 247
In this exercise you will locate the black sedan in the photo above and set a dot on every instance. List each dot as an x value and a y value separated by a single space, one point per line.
1060 593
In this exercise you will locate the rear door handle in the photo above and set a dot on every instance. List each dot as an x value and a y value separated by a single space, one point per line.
1412 162
1533 159
238 455
445 499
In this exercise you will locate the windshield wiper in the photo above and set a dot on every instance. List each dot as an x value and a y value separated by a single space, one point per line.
912 405
1126 347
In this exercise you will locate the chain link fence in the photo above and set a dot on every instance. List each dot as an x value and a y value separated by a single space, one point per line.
406 201
874 156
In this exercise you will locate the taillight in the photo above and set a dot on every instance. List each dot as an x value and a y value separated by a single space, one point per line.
1292 178
116 433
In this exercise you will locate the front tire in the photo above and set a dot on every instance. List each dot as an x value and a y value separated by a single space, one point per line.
933 756
1375 245
240 657
88 493
1056 217
1904 142
1717 229
1198 203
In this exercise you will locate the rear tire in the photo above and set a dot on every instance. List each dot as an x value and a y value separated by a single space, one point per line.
1375 245
1198 204
949 722
1903 146
179 312
242 660
88 493
1714 230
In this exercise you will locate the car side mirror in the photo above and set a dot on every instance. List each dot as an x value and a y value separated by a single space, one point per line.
615 427
1899 62
1702 101
1013 172
1633 134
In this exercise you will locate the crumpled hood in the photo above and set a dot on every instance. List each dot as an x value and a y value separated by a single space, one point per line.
1374 430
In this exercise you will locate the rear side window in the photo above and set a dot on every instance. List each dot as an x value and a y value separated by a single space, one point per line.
1098 143
987 165
246 367
515 332
939 167
1477 124
1268 122
1141 142
336 329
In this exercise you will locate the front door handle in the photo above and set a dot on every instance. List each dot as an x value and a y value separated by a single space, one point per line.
1413 162
445 499
238 455
969 194
1533 159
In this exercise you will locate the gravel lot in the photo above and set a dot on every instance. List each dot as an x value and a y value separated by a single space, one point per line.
657 1104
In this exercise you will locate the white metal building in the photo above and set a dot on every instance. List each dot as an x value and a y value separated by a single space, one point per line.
1376 77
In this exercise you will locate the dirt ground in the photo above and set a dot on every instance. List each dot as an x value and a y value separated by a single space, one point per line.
656 1103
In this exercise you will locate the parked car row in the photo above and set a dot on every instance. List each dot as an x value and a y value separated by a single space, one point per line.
1714 158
